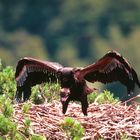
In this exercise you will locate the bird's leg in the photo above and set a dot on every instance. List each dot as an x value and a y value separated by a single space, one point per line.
84 103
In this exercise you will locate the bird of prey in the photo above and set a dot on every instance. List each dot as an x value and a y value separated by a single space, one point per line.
111 67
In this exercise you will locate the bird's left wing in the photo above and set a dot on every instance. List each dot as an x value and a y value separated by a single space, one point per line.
111 67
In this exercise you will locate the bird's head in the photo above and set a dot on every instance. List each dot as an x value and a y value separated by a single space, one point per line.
66 77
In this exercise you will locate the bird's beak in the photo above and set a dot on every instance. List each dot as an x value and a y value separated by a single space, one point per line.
64 99
64 94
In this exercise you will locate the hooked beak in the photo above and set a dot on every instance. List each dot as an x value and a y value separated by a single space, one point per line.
64 94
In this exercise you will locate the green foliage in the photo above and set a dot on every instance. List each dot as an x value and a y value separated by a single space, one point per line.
37 94
7 126
126 137
72 128
7 82
92 97
102 98
27 123
106 97
6 107
51 91
38 137
48 91
26 107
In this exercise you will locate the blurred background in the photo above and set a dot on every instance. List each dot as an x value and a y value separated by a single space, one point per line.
71 32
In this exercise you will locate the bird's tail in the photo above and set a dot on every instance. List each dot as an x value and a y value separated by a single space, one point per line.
136 78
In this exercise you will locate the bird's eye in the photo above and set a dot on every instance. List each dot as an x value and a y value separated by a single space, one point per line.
62 95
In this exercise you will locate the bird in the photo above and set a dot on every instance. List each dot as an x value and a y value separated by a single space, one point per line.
73 80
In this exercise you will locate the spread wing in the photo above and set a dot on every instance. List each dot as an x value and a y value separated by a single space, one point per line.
33 71
111 67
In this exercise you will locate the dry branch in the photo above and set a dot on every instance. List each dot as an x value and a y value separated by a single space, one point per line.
107 120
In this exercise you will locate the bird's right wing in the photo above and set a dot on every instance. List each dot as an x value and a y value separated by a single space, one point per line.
33 71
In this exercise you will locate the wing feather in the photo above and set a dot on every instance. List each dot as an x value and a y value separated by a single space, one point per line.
111 67
33 71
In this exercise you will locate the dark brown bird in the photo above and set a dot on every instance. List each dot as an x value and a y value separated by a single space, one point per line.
111 67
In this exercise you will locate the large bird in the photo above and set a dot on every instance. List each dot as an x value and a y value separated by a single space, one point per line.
111 67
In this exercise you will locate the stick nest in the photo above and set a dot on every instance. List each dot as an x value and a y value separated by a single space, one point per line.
106 121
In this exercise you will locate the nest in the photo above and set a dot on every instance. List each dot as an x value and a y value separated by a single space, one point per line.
106 121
